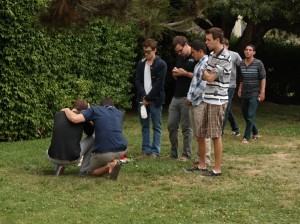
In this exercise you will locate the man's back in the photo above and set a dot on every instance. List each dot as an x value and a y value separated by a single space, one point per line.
108 128
65 142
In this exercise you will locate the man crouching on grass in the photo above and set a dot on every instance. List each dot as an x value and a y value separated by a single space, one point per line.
110 143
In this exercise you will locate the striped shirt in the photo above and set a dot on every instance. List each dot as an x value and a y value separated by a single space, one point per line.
251 78
197 87
216 92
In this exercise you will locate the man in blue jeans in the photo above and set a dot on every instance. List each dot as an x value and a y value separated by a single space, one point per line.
235 62
149 81
251 90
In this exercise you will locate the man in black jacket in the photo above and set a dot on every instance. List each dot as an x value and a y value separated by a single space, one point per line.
66 145
149 81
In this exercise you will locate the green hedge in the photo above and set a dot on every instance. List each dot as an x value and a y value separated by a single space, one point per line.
281 61
42 72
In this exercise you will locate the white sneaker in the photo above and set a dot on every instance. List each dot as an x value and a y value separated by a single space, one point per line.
236 133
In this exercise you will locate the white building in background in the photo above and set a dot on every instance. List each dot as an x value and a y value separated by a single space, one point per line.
239 27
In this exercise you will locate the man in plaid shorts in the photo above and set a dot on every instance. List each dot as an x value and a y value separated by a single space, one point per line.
216 72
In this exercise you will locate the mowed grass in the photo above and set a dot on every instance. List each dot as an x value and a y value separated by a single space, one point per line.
260 181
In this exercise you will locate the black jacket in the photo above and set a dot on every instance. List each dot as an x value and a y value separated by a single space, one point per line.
158 74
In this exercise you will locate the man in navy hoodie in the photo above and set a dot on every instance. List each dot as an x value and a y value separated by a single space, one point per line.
110 143
149 81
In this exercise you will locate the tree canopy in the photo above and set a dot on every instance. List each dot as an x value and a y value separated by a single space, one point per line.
155 17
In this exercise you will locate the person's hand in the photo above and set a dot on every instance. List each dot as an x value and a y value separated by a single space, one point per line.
64 109
178 72
205 75
175 73
187 102
261 97
145 102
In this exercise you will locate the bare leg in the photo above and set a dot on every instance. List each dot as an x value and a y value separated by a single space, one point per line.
105 169
202 151
218 153
100 171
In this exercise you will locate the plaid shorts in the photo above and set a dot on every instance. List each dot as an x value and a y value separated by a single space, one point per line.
208 120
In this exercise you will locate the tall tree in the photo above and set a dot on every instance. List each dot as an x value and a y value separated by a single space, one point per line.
260 17
154 17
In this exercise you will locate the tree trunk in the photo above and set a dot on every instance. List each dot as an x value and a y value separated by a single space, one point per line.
253 34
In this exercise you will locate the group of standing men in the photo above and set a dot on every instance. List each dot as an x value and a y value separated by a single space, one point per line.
201 105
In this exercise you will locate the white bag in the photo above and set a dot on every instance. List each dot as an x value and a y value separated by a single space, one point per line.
144 112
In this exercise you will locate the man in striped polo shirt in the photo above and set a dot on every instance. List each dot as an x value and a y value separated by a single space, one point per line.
216 72
251 90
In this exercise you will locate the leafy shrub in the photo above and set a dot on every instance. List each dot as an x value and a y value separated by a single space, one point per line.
41 71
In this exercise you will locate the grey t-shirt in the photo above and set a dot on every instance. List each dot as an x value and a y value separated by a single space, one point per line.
235 61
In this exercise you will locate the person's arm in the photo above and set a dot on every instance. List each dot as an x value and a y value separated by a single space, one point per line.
209 77
139 80
181 72
75 118
262 75
261 96
240 89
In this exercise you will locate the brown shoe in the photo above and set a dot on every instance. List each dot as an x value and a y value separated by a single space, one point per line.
143 155
183 159
113 175
153 156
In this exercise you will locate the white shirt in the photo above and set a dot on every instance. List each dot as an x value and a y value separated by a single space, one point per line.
147 79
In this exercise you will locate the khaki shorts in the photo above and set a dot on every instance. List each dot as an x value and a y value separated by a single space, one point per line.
101 159
207 120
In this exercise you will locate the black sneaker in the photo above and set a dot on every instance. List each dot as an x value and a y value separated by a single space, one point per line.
196 168
211 173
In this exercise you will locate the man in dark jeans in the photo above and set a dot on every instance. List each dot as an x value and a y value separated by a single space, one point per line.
251 90
149 81
235 62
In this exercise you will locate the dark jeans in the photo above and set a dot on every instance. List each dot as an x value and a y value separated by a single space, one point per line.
228 113
249 108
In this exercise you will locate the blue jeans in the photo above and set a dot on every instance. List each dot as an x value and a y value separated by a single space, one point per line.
154 113
228 113
249 108
179 114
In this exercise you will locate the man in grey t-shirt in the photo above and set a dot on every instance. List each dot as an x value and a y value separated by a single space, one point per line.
235 61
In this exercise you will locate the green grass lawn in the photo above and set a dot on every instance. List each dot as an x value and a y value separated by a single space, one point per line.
260 181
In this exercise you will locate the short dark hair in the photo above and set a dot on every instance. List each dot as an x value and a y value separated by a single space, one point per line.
107 102
198 45
250 45
216 32
181 40
150 43
225 41
80 105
